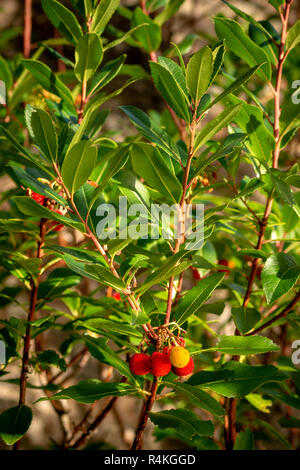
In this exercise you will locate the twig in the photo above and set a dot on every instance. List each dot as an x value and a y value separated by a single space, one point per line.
136 445
229 426
282 314
230 432
27 28
93 426
31 315
276 131
181 205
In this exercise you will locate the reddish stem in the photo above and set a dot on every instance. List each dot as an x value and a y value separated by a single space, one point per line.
27 28
136 445
30 318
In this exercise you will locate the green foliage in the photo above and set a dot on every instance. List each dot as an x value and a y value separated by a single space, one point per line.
14 423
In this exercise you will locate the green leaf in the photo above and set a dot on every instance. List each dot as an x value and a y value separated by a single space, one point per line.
167 13
244 441
17 146
293 36
238 41
259 402
78 164
245 345
90 390
262 36
177 73
276 3
197 397
184 421
148 163
149 36
236 84
57 283
14 423
260 142
248 18
48 80
28 180
151 131
105 354
103 14
191 302
218 56
245 318
163 272
5 73
78 253
105 75
49 358
216 124
230 144
198 73
168 86
236 379
111 163
79 267
88 56
284 190
134 190
104 276
102 324
252 185
126 37
62 19
41 129
30 207
279 275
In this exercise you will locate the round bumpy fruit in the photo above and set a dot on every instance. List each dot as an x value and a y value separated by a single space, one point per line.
179 356
140 364
187 370
160 364
39 198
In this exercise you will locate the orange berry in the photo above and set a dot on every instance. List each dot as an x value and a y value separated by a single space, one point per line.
179 356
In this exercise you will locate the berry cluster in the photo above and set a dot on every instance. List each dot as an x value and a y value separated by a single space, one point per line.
159 364
43 200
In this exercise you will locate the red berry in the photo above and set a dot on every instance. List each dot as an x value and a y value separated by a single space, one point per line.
223 262
187 370
166 349
38 197
56 226
116 296
160 364
140 364
195 272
